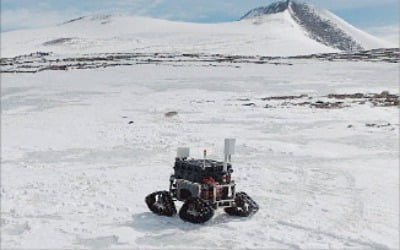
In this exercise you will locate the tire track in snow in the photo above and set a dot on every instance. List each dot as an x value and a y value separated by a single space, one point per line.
342 239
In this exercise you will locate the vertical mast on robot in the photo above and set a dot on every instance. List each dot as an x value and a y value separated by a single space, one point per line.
229 150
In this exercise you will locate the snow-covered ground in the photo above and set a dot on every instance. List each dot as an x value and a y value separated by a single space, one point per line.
75 170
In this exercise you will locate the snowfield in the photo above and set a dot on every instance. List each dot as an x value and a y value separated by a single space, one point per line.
82 148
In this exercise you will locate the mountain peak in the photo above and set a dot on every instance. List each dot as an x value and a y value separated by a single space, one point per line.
320 25
273 8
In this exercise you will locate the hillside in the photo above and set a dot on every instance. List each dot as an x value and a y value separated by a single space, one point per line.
283 29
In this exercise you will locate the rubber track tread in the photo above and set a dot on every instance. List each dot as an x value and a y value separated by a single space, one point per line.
245 206
203 208
161 203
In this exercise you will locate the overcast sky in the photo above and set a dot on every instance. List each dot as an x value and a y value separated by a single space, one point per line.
18 14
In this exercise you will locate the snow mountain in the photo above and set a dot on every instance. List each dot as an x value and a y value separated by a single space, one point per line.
321 25
283 28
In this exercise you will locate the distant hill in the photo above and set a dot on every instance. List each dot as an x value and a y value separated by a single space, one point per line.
284 28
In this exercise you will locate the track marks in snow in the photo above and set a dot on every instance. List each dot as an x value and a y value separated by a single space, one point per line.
346 241
99 242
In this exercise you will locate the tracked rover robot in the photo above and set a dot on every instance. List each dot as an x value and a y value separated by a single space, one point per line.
203 185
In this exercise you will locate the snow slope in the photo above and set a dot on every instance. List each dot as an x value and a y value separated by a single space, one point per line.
75 171
272 34
367 41
321 25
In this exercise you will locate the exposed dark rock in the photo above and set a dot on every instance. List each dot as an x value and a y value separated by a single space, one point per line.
322 30
344 96
58 41
327 105
270 9
289 97
383 99
74 20
171 114
40 61
303 104
373 125
384 94
252 104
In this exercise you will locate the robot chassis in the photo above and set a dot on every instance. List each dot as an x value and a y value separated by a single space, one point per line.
203 185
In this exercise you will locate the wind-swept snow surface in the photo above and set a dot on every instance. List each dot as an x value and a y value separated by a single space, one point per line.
82 148
291 29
